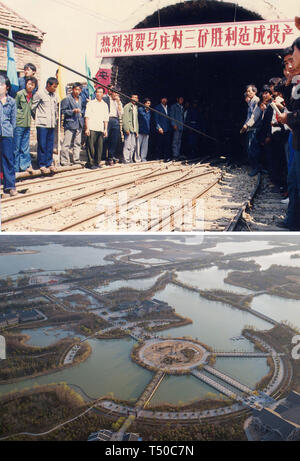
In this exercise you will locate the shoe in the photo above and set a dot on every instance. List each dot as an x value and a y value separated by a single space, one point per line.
13 192
53 169
253 172
65 164
281 223
110 162
167 160
44 170
29 169
285 201
94 167
77 162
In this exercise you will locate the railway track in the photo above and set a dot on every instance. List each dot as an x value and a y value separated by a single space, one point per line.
118 212
55 206
187 196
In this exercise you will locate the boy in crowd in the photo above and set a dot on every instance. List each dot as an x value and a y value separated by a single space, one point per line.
22 131
71 108
45 111
7 126
29 71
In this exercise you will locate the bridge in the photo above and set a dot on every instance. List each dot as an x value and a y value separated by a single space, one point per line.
143 400
211 382
150 390
233 382
244 354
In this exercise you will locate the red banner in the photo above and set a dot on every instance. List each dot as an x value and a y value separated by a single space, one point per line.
104 76
236 36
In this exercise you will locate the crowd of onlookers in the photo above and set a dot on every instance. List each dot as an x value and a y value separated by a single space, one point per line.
272 130
98 122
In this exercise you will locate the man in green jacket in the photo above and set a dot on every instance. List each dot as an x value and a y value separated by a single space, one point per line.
131 130
22 130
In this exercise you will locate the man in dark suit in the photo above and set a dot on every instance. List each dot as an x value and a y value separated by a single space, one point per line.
72 111
115 109
163 130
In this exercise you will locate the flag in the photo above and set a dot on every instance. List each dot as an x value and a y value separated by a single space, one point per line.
61 90
89 83
11 66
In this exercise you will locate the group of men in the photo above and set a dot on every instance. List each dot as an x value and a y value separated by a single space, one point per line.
100 122
106 121
272 130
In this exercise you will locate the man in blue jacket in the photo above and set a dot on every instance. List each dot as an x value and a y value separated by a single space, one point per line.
144 115
71 108
176 112
163 129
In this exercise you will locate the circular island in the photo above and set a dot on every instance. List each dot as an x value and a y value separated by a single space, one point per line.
174 356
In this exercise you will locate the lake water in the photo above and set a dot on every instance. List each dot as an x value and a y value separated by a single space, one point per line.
150 261
241 246
54 257
138 284
45 336
283 259
108 369
278 308
208 279
213 323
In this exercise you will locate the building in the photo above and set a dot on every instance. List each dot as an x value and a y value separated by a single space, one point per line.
25 33
280 423
155 306
12 319
105 435
30 316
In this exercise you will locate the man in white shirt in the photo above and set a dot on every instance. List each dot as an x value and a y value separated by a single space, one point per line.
96 121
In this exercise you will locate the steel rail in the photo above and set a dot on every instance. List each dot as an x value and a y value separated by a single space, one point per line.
67 186
165 221
153 193
82 171
82 197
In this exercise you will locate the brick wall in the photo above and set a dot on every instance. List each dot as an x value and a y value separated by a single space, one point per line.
21 56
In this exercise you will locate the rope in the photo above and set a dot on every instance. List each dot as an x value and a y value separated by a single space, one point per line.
59 64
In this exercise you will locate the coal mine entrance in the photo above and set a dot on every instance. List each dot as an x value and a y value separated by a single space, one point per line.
215 80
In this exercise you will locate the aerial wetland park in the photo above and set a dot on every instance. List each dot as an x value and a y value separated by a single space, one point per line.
150 337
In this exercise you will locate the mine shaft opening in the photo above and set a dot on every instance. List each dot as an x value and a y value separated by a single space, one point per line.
217 80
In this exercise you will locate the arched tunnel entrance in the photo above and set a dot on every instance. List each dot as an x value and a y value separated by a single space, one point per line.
217 80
